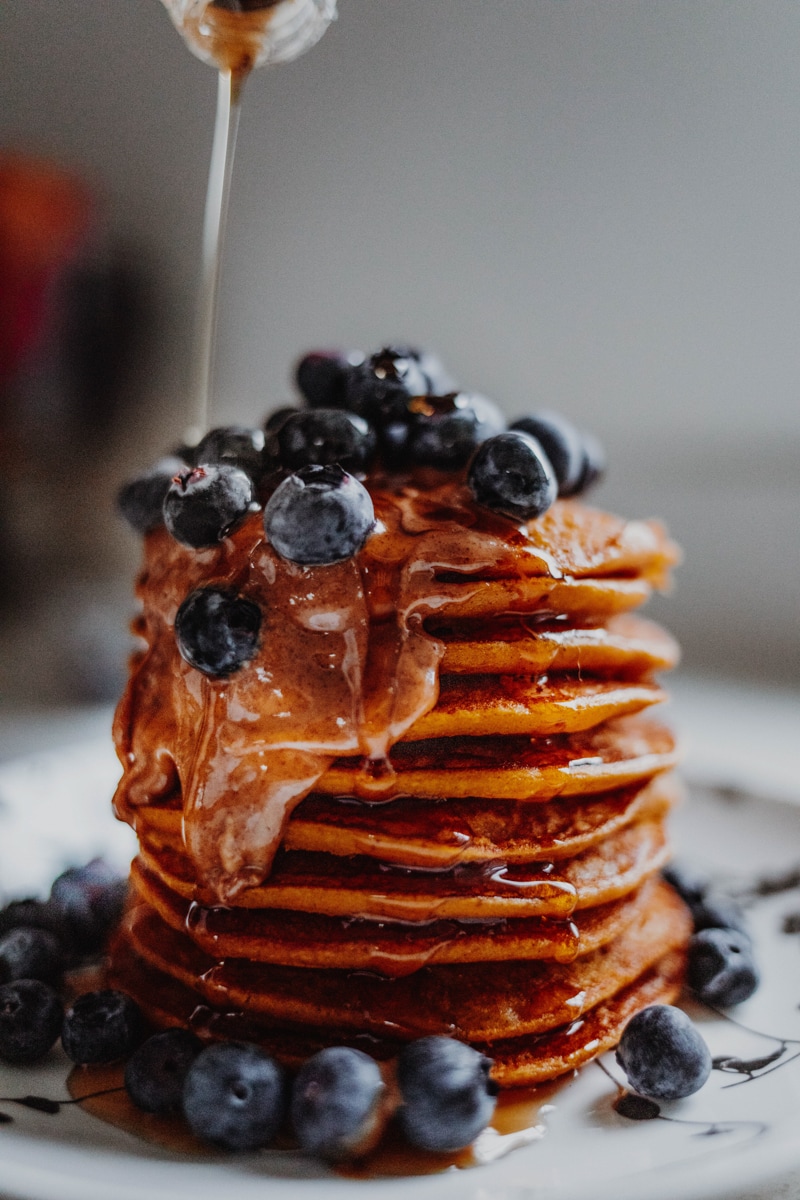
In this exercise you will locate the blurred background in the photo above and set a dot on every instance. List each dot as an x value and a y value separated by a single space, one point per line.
587 205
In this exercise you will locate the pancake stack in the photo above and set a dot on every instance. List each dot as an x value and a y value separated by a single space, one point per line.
432 803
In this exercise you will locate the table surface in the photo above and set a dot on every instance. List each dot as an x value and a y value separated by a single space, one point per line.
719 723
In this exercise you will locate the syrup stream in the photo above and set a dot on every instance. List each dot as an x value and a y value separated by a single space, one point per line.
229 96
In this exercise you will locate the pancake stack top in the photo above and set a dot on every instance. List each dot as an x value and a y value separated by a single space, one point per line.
427 802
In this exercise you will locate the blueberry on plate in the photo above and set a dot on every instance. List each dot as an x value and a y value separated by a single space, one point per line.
318 515
663 1055
722 971
217 631
101 1027
715 910
691 885
337 1104
156 1071
89 901
233 446
27 953
321 437
234 1095
448 1094
30 1021
444 431
510 474
203 505
561 442
141 500
321 376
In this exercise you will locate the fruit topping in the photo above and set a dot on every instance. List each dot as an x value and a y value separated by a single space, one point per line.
444 431
337 1104
30 1021
235 1096
380 388
318 515
27 953
594 464
722 971
322 377
276 418
155 1073
217 631
204 504
447 1091
511 474
101 1027
663 1055
561 442
233 446
322 437
141 501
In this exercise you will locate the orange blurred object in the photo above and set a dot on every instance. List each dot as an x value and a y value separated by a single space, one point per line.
44 215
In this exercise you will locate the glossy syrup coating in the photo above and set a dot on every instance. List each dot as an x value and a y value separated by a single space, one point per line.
344 667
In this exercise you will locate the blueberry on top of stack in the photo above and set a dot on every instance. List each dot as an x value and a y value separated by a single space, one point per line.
390 414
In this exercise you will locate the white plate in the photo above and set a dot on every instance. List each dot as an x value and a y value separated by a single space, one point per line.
727 1138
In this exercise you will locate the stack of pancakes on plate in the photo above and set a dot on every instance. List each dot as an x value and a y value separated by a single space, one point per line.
430 804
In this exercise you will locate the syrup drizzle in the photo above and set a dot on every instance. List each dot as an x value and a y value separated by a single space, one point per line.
246 750
226 125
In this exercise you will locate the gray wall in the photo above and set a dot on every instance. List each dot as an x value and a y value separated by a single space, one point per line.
593 206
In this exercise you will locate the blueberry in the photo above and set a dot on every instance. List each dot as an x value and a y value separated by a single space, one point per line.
510 474
235 1096
275 419
30 1021
321 437
217 631
336 1104
662 1054
691 885
155 1073
380 388
33 914
561 443
319 515
203 505
30 954
89 901
101 1027
233 446
594 465
721 967
141 501
322 376
714 910
448 1094
444 431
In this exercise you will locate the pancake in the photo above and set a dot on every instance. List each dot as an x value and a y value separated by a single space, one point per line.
336 886
517 1062
432 802
626 645
419 832
473 1001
